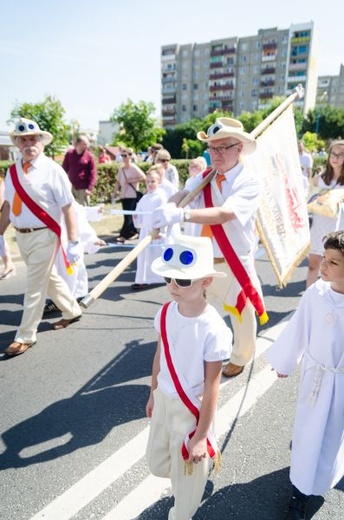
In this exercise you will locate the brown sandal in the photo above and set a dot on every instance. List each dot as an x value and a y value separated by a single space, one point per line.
62 324
16 348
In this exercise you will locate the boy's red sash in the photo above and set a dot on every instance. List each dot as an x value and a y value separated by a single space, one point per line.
211 444
248 290
39 212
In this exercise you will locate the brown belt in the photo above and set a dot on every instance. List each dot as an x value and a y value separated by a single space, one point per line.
29 230
219 260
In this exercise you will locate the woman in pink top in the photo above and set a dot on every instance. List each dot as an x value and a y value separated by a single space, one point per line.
127 182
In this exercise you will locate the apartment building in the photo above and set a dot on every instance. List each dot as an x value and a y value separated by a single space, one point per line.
237 74
331 90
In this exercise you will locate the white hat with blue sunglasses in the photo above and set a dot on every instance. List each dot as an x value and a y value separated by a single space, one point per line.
190 258
27 127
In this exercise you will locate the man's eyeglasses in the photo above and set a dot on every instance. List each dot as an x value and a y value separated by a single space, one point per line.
220 149
337 155
179 282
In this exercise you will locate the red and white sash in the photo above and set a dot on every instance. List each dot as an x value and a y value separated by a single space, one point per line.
39 212
186 395
248 291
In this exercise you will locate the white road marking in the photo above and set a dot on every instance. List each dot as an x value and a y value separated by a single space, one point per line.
152 488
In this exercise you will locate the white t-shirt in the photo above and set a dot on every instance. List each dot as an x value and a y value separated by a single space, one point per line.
193 340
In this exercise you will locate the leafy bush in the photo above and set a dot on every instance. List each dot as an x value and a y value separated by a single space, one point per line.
107 174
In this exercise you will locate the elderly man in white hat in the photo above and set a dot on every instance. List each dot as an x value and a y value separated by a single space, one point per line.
37 196
226 210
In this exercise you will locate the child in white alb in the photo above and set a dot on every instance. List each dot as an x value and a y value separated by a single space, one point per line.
154 198
314 336
193 342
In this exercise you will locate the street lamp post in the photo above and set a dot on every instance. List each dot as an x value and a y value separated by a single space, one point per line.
319 112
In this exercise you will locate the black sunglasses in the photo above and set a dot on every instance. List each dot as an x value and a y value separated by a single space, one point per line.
179 282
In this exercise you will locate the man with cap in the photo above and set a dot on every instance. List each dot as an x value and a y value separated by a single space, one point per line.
37 196
226 210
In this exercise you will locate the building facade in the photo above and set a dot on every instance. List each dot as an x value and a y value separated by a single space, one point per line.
237 74
331 90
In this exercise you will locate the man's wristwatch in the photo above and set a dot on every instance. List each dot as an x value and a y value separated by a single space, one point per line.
187 215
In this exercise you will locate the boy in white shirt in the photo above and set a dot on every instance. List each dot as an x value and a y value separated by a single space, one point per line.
193 342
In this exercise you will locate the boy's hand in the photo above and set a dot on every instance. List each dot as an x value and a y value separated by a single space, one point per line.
197 450
150 406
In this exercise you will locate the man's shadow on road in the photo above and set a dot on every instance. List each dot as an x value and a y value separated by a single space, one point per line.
263 498
87 417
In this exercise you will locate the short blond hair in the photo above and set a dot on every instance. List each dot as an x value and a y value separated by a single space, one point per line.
163 154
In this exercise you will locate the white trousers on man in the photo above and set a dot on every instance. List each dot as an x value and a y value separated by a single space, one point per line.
171 422
38 250
244 330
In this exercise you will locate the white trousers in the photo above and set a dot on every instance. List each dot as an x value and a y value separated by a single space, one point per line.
244 330
38 250
171 422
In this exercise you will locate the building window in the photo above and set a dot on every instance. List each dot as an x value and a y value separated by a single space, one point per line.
183 108
195 108
195 86
184 86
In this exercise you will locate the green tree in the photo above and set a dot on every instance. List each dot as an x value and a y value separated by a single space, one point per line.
49 115
174 138
138 128
327 121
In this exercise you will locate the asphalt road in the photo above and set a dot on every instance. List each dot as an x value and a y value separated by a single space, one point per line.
73 428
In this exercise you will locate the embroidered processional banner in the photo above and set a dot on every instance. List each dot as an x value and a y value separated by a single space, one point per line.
282 220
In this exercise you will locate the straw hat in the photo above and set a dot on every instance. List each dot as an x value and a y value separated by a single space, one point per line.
227 127
190 258
28 127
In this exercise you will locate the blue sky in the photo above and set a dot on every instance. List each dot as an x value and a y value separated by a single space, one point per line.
94 55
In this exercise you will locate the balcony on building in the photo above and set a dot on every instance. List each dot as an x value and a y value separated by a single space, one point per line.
169 122
216 65
297 79
267 83
168 67
168 112
218 99
214 88
168 78
268 70
298 66
268 57
169 89
222 52
300 39
221 75
168 101
270 46
266 95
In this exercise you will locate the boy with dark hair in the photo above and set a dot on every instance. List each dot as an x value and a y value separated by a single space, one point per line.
314 336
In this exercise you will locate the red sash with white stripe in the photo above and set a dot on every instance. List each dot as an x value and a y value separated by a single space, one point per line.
39 212
248 290
191 405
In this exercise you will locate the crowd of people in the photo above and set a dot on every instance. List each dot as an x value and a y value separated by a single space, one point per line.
204 252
